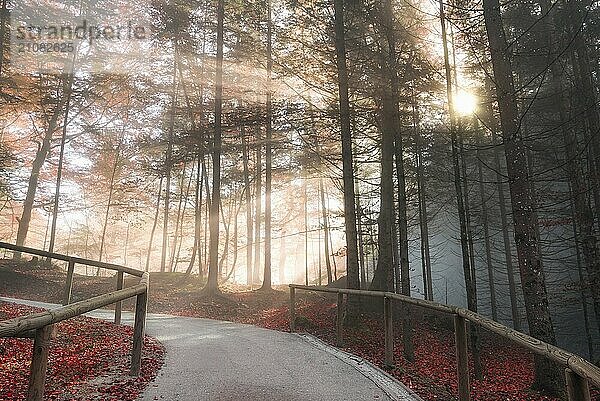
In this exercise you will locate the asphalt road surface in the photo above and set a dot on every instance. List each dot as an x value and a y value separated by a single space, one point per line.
218 361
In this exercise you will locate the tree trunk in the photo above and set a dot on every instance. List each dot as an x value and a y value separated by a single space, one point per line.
583 213
38 162
168 167
197 215
383 277
153 224
468 270
589 100
474 333
361 247
235 240
402 219
306 234
486 230
319 256
423 217
325 231
258 206
226 225
282 257
373 239
512 287
403 225
201 167
69 78
212 284
266 285
180 219
347 162
111 190
332 251
467 212
248 194
203 264
126 246
582 287
396 254
547 376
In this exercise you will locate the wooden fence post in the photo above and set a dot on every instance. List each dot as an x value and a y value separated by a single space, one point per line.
69 283
292 309
138 332
578 388
339 321
39 363
462 357
388 322
119 305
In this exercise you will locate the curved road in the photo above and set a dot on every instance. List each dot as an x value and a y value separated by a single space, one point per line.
218 361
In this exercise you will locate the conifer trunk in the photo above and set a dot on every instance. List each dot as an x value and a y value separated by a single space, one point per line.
212 284
347 161
525 221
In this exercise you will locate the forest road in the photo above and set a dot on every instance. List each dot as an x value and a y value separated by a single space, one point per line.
223 361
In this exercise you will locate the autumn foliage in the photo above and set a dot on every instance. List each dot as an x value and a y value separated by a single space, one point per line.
88 360
508 369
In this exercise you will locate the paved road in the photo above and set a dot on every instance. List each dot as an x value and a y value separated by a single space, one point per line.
217 361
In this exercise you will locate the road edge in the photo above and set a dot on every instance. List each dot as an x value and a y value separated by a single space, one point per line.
391 386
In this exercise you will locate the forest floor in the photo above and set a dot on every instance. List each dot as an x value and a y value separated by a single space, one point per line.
508 370
89 360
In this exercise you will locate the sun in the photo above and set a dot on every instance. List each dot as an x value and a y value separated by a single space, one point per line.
465 103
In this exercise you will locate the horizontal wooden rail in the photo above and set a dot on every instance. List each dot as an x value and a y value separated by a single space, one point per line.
40 326
74 259
579 371
16 326
380 294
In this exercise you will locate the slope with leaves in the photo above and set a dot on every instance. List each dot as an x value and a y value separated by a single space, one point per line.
88 360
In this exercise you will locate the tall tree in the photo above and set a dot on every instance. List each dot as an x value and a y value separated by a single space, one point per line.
383 277
347 160
266 285
69 77
461 196
492 124
169 164
589 99
111 191
154 224
212 285
325 232
486 228
62 89
258 206
547 376
200 153
248 197
422 200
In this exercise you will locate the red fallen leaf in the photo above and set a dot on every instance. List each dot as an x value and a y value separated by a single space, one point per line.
508 369
89 360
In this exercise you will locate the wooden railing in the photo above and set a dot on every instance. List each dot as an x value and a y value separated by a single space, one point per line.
578 371
72 260
40 326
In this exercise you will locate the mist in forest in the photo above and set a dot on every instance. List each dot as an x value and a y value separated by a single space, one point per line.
443 151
